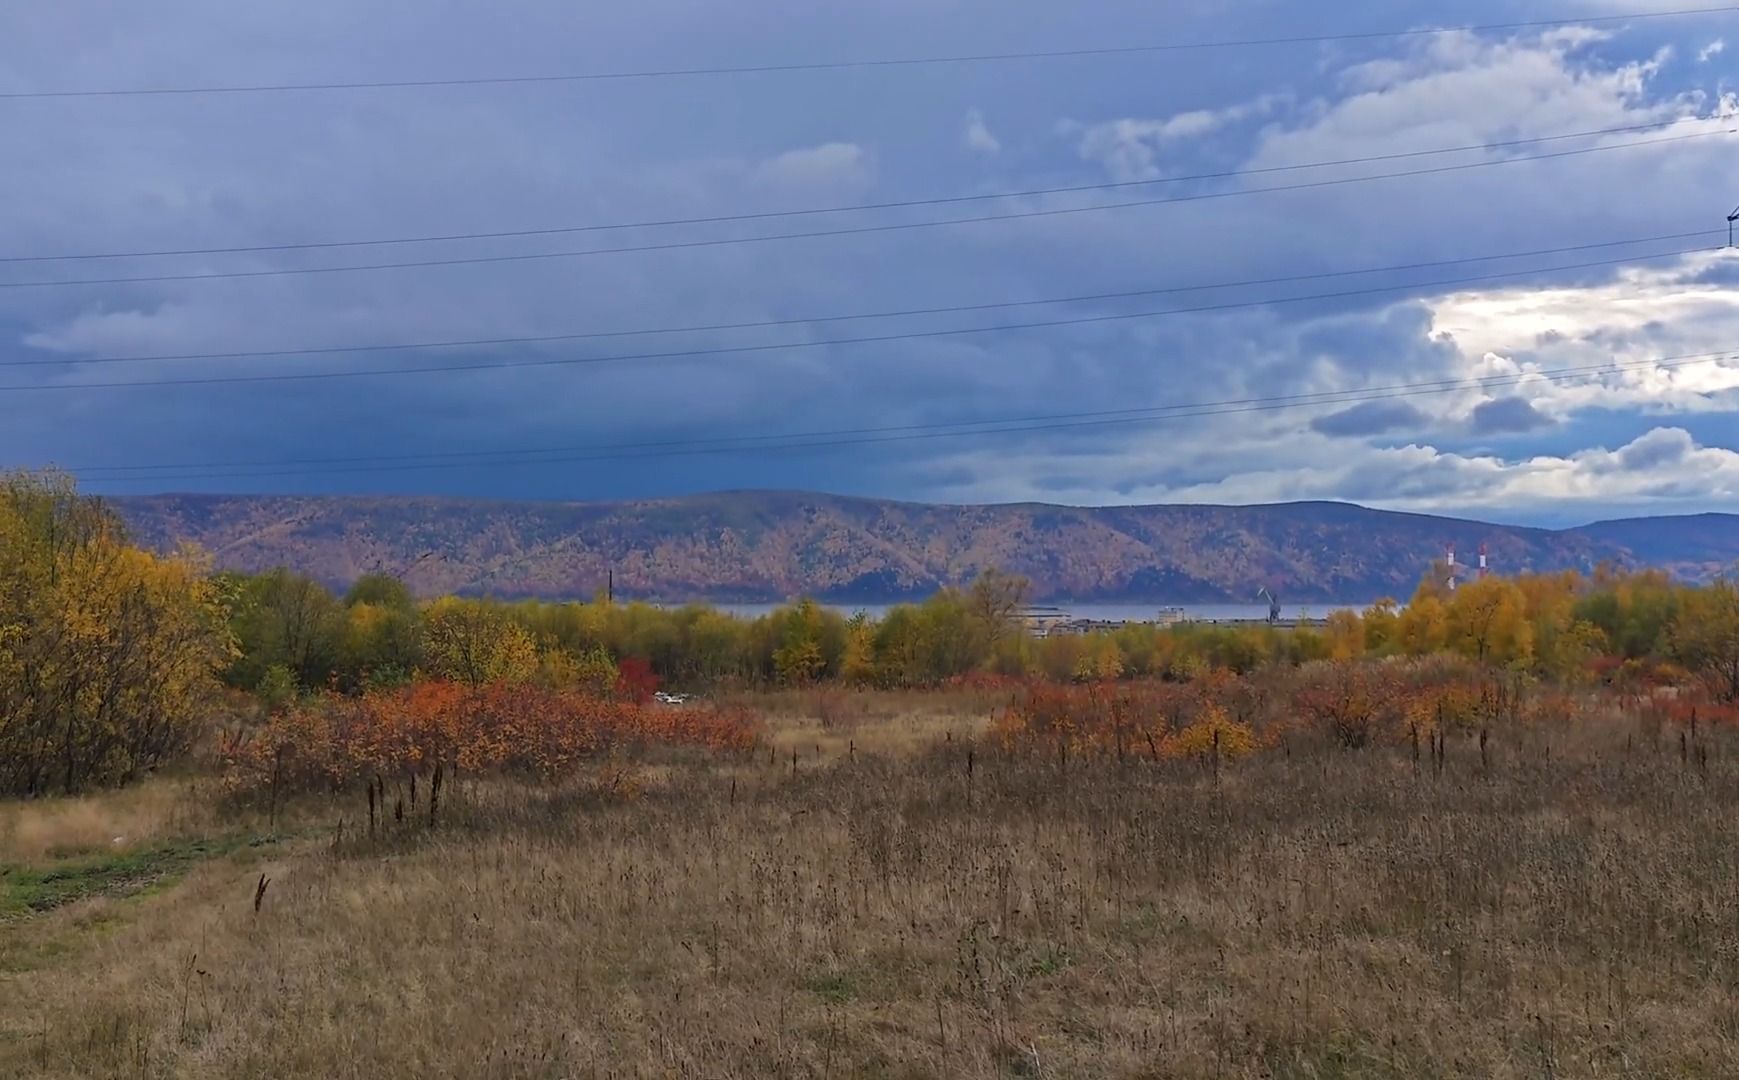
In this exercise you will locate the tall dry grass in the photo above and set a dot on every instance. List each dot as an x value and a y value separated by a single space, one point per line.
834 721
39 830
1565 911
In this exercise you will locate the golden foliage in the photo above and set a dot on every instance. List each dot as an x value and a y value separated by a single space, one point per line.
1487 620
1213 733
1345 635
107 652
475 642
1705 637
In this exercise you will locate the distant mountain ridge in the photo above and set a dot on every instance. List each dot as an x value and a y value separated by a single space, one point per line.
761 546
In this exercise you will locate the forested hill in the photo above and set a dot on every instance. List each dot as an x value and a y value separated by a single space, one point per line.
764 546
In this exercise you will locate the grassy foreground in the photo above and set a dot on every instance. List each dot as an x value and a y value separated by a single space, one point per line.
900 907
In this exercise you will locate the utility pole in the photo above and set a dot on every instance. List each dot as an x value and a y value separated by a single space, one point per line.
1731 218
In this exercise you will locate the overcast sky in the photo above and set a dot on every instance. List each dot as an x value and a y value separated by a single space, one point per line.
99 175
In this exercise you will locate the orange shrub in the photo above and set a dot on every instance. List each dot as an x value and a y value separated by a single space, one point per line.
332 741
1213 732
1352 703
1109 718
1046 713
1687 709
1453 705
1552 708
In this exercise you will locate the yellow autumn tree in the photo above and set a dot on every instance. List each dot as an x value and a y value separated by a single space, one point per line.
1422 626
1705 636
1344 635
592 671
800 658
857 664
1488 620
1100 661
107 652
1563 644
477 643
1382 628
379 645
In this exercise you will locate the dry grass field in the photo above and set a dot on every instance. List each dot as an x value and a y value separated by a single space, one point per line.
904 901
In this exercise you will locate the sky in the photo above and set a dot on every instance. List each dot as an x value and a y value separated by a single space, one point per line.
1532 388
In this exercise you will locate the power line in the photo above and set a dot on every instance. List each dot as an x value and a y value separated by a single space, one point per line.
557 230
835 65
850 317
865 339
892 434
855 230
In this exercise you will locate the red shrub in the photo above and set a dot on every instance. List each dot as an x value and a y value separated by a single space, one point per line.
333 740
635 680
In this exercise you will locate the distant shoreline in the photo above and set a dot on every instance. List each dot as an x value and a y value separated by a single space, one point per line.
1093 612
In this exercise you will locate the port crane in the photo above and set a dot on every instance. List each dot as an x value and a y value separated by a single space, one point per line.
1273 604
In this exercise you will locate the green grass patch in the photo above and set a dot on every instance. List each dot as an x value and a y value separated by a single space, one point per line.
1045 960
834 987
26 890
1345 1056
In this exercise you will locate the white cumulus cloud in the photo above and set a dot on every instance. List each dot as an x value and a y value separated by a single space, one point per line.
1133 148
833 165
978 135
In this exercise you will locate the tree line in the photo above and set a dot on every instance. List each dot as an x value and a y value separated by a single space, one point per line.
1565 627
295 635
110 655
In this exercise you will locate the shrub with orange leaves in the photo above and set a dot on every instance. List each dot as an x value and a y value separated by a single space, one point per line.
1114 719
1353 703
1551 708
1046 713
331 741
1213 732
1447 705
1687 710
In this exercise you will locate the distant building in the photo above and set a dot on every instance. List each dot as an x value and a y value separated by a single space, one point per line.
1043 621
1054 621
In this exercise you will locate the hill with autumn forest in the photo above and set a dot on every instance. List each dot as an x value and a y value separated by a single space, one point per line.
767 546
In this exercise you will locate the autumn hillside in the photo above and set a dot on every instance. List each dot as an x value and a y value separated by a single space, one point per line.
761 546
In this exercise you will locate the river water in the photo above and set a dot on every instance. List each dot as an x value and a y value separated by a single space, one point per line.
1102 612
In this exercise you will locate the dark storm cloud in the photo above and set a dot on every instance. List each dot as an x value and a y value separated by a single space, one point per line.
149 173
1507 416
1397 338
1371 418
